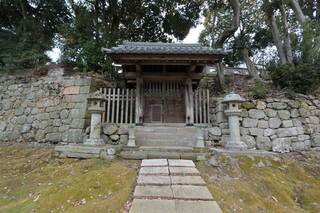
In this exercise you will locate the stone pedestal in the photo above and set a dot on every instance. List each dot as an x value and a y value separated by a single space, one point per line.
233 112
132 138
96 121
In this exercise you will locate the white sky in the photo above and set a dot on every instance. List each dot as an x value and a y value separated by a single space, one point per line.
192 37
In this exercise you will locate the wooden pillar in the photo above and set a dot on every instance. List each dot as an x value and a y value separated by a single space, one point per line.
189 102
139 96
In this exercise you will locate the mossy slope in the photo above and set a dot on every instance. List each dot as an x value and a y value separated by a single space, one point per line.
32 181
289 183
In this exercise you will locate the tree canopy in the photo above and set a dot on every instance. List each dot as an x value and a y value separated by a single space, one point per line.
283 35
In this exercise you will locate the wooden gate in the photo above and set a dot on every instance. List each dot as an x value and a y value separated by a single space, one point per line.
164 102
119 105
201 103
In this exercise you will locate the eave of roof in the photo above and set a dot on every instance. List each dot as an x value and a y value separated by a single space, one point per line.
155 48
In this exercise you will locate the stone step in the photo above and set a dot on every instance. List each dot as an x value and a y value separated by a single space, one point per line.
166 136
144 154
167 180
174 206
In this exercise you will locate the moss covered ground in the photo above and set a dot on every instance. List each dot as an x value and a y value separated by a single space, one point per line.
31 180
287 183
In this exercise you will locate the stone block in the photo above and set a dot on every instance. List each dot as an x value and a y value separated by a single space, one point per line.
271 113
263 124
3 126
53 137
249 140
264 143
301 146
284 114
191 192
114 137
192 206
25 128
269 132
278 105
72 135
187 180
256 131
315 140
183 171
287 132
181 163
154 162
123 139
154 180
281 145
64 114
154 171
303 112
153 206
109 129
287 123
215 131
303 137
255 113
261 105
71 90
274 123
294 113
314 119
77 123
249 122
123 129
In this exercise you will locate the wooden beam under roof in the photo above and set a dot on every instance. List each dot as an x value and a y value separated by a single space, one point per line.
167 76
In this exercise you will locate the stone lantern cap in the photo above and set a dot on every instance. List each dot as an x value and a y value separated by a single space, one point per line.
232 97
96 96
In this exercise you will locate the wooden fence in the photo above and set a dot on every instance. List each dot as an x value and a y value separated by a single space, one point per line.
119 105
201 111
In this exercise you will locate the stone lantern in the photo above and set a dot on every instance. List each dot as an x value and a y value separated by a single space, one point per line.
96 109
233 112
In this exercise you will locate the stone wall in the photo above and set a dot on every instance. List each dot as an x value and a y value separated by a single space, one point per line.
279 125
52 108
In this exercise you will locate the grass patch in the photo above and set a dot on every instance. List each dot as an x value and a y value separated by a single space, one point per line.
31 180
285 184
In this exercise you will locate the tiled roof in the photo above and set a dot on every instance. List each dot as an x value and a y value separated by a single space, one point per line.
163 48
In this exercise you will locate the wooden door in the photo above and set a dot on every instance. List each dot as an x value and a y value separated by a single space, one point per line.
164 102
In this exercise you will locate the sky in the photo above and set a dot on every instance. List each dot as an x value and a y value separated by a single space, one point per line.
192 37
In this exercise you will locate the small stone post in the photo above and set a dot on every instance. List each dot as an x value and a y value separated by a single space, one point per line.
132 138
233 112
96 111
200 137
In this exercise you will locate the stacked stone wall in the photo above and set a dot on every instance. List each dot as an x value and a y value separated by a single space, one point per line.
51 108
279 125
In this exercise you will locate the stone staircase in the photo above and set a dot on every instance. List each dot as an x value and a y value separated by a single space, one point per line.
171 186
171 142
166 136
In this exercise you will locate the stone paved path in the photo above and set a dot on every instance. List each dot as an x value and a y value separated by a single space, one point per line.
171 186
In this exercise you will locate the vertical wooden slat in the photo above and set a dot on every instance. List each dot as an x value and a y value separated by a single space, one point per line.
131 105
103 104
118 104
113 104
196 105
122 105
108 107
204 106
127 105
208 106
200 105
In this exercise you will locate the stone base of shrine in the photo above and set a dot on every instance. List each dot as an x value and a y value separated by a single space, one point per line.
107 152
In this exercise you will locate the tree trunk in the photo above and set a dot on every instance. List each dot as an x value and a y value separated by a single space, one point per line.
276 37
287 41
235 4
253 73
294 4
